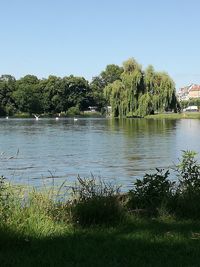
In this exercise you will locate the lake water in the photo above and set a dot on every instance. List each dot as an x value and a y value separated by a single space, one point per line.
118 150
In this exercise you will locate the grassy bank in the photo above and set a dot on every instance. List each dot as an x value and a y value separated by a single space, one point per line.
139 242
38 234
184 115
156 223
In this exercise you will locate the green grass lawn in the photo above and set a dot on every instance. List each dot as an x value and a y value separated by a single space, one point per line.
138 242
184 115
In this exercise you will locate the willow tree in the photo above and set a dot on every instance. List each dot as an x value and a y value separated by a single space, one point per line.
146 100
116 94
123 95
163 92
141 93
159 94
132 78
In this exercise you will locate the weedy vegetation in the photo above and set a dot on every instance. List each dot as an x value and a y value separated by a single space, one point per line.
96 202
156 223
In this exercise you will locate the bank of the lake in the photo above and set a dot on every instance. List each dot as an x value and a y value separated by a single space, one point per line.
171 116
96 225
139 242
33 236
86 114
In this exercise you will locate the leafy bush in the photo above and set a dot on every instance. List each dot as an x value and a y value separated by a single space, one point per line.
153 192
22 115
73 111
95 202
188 190
189 172
5 199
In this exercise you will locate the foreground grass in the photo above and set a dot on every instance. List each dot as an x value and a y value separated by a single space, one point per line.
97 226
136 242
184 115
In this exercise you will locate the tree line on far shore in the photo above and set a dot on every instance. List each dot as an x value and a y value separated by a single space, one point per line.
128 90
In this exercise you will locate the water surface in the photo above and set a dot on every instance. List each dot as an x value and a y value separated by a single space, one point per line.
118 150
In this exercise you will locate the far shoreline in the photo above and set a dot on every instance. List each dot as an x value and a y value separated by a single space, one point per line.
183 115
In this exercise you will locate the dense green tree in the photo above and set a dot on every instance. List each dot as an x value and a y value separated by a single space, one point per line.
132 79
128 89
27 94
61 94
123 94
96 95
78 88
7 87
51 89
140 93
111 74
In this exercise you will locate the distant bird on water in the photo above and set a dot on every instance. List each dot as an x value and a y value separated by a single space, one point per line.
36 117
75 119
57 118
7 118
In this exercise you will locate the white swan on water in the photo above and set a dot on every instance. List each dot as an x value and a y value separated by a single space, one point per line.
36 117
7 118
57 118
75 119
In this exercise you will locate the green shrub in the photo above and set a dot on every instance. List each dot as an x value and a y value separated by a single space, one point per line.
95 203
153 192
6 200
188 190
97 210
188 172
73 111
22 115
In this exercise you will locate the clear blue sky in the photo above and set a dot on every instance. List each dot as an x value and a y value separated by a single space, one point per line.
81 37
